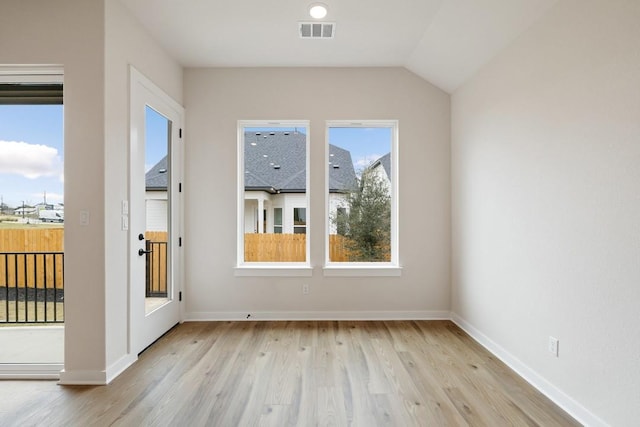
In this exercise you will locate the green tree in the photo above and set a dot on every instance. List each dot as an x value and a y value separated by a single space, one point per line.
366 223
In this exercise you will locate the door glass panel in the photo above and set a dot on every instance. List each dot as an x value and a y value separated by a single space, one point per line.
157 209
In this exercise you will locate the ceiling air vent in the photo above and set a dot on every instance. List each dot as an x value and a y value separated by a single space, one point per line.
316 30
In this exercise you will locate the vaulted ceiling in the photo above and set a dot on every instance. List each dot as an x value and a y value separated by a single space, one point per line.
443 41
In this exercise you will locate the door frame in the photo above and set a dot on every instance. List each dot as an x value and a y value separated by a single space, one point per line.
145 328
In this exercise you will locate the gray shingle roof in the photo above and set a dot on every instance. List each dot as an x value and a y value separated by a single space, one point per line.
342 176
275 162
155 178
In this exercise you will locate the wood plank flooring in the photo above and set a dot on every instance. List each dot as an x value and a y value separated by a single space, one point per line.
312 373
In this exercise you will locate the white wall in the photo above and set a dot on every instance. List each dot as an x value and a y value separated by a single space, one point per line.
127 43
156 214
290 202
71 33
216 98
546 205
336 200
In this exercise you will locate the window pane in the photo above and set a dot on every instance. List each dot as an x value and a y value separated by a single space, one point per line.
275 161
32 215
157 194
277 216
299 216
360 199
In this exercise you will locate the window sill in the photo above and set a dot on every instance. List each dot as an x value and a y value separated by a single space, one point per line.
362 271
273 271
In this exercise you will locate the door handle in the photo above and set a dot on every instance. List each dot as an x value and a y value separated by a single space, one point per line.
143 252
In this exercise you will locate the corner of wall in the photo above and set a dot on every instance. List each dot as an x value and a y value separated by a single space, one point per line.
564 401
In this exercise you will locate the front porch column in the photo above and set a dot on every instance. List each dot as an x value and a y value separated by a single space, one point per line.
260 216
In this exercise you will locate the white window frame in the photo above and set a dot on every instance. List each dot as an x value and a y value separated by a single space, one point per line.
32 74
366 269
283 269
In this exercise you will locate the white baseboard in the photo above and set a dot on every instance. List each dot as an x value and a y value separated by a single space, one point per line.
316 315
573 408
82 377
120 366
9 371
97 377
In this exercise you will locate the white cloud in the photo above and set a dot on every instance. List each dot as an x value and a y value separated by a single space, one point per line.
29 160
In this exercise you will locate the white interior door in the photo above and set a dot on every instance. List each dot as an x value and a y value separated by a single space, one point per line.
154 212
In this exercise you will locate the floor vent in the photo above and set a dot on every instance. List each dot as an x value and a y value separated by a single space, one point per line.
316 30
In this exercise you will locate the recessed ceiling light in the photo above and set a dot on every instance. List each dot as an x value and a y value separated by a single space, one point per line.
318 10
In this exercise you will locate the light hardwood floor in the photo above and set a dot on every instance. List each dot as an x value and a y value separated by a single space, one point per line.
400 373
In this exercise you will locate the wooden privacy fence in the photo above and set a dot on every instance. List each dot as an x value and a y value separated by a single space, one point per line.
43 267
337 250
32 240
269 247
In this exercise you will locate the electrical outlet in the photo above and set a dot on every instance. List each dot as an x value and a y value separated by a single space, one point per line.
305 289
554 344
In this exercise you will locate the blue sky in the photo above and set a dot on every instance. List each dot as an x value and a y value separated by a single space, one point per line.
156 131
32 151
31 154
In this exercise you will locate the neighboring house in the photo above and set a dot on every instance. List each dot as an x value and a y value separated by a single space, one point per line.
26 210
156 180
275 181
382 168
43 207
